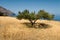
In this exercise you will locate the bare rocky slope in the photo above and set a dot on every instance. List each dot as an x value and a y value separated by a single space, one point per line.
14 29
6 11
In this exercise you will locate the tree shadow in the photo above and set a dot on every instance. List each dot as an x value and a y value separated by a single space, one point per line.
43 25
37 25
28 25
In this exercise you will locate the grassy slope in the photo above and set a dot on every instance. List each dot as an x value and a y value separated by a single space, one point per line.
13 29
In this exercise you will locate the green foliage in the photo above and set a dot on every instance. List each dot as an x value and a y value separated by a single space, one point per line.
41 13
33 17
20 15
50 17
1 14
26 15
45 15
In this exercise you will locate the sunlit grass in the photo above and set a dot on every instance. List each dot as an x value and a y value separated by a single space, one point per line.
14 29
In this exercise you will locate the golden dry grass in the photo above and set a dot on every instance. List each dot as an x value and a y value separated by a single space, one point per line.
13 29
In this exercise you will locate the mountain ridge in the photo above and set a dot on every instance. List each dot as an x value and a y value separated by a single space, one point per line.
6 11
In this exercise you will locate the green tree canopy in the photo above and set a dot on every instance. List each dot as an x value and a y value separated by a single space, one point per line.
33 17
45 15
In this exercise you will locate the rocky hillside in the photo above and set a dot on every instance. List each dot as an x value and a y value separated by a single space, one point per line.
6 12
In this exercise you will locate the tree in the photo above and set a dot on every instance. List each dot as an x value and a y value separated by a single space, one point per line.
32 17
50 17
45 15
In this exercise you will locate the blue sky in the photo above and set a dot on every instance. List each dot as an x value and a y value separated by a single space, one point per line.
51 6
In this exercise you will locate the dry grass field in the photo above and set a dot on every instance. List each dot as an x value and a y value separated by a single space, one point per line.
14 29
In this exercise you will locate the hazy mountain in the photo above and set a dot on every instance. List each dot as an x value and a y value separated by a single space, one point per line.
5 11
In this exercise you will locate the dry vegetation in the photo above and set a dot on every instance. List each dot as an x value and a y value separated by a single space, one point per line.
13 29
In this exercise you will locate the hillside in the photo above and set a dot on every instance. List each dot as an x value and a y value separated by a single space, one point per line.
14 29
6 11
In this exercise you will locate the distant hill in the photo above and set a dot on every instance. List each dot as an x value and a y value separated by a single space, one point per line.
6 12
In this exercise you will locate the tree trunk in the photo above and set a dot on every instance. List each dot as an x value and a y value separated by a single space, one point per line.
32 22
